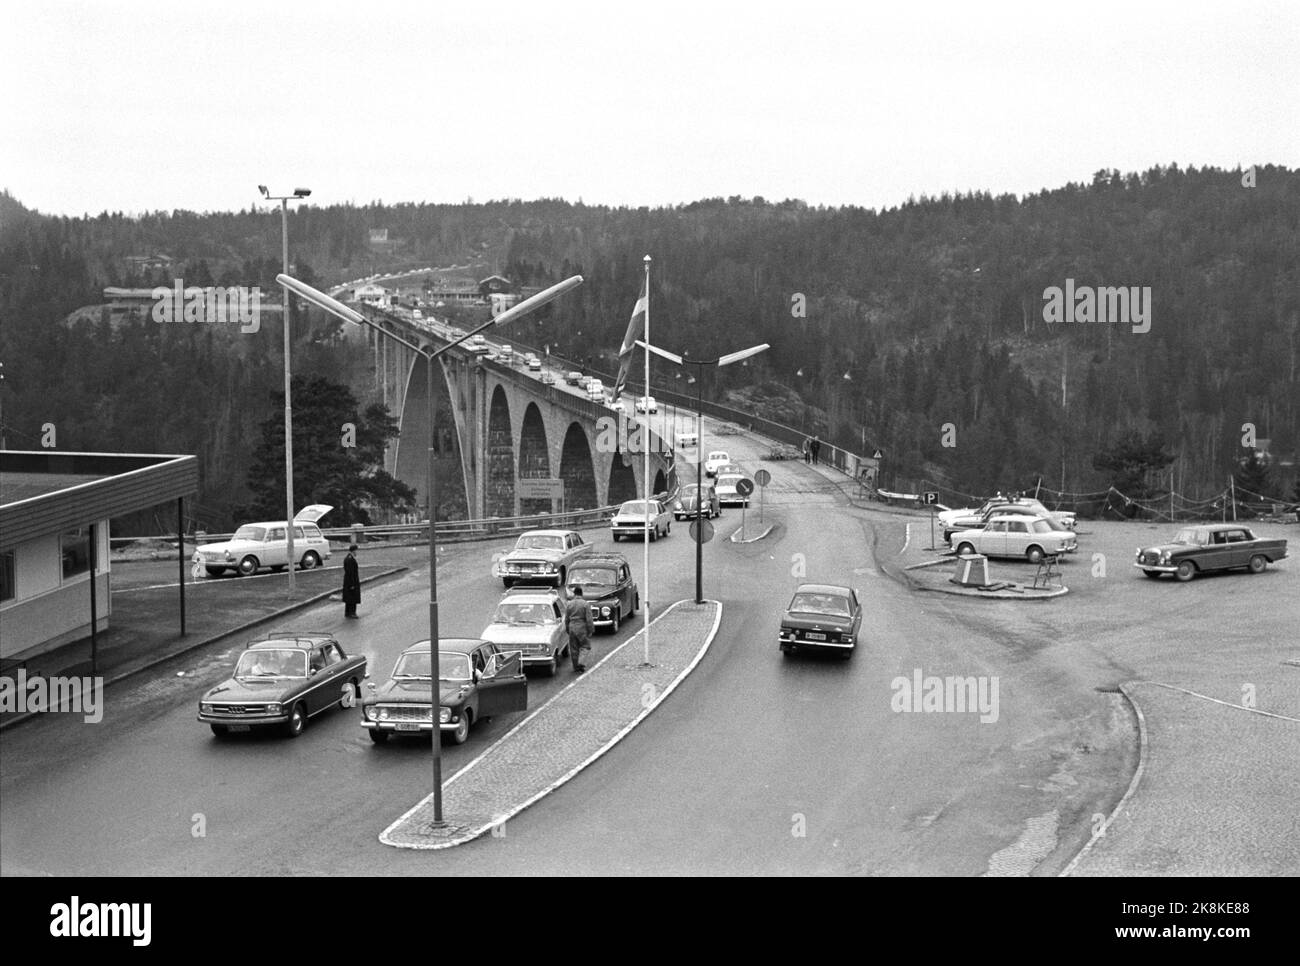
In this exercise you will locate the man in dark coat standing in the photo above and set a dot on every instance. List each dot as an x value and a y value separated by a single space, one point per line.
351 583
578 619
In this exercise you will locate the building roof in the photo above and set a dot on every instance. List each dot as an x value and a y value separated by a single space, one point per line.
44 491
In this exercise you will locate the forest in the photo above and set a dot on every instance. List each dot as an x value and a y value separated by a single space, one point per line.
919 329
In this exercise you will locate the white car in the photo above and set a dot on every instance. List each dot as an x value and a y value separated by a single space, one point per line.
688 440
531 620
534 364
630 520
715 459
728 495
477 344
573 378
258 545
647 404
595 390
1030 538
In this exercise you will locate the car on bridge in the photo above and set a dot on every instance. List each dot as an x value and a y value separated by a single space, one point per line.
534 363
1210 547
647 404
684 507
714 460
530 620
281 681
1012 535
573 378
688 440
548 378
607 585
728 490
640 518
821 617
477 345
257 545
542 555
476 680
595 390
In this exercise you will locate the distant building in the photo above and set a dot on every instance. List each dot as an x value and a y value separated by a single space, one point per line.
453 290
496 285
370 293
379 236
144 264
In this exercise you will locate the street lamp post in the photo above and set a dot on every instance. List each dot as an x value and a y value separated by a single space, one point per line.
430 354
298 195
699 364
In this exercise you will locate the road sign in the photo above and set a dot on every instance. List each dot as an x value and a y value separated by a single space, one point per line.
930 496
877 455
533 488
762 477
744 487
705 528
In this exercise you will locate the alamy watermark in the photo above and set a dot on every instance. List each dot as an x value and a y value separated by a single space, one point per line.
212 305
39 695
1109 304
930 694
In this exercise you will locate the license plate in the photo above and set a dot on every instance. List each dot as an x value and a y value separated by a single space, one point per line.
240 727
815 637
407 726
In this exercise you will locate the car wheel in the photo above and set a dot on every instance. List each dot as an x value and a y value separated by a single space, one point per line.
461 734
378 736
554 665
351 691
220 730
636 603
310 560
965 549
248 566
1153 574
1258 563
297 721
564 573
668 528
618 619
1034 555
216 571
1186 571
616 538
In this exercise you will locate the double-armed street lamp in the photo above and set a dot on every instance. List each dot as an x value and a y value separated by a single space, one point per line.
685 360
298 195
338 309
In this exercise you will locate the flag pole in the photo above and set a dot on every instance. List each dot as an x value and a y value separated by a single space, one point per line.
645 464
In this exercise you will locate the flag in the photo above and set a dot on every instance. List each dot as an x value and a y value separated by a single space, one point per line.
634 328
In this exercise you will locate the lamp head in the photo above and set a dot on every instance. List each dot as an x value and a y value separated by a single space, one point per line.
262 188
301 192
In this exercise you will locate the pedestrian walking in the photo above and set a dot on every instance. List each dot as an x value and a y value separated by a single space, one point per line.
579 623
816 449
351 583
807 449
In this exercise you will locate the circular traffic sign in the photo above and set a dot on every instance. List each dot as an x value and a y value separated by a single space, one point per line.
744 487
762 477
703 528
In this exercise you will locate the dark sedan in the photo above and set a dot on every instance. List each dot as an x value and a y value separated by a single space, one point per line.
476 680
281 682
607 585
822 617
684 507
1210 547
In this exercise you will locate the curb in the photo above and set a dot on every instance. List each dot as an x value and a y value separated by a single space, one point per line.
993 594
247 625
468 835
733 539
1132 785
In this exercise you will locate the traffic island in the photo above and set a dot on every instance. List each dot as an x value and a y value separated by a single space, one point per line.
965 583
546 748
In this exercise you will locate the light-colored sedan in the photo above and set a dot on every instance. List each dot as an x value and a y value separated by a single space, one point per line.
1029 538
728 493
530 620
258 545
647 404
542 555
630 520
714 460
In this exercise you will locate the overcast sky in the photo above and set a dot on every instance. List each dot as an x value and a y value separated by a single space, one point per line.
136 106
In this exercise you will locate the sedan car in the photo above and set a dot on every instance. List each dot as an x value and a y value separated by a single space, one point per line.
1030 538
258 545
573 378
1022 508
1216 546
530 620
630 520
647 404
714 460
685 506
476 680
822 617
728 494
281 682
607 585
542 555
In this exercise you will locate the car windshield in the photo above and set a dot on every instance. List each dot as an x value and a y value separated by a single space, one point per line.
633 506
715 457
820 604
584 576
272 663
539 542
1191 535
521 612
452 666
729 480
257 534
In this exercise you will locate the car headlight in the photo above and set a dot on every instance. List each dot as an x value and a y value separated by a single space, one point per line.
444 715
678 505
1165 557
550 568
205 707
383 714
370 712
274 708
604 612
229 555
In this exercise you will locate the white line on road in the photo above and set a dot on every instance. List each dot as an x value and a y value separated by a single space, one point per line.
908 539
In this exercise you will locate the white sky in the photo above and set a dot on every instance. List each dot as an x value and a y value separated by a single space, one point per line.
136 106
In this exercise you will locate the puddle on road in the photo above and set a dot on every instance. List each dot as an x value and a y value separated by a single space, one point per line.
1036 843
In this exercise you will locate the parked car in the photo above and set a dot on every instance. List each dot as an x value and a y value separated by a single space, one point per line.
1210 547
714 460
476 680
542 555
1007 535
607 585
548 378
573 378
684 507
647 404
688 440
821 617
728 494
1023 508
281 681
530 620
534 364
630 520
258 545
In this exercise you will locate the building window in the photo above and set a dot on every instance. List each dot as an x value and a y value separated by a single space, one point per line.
75 545
7 575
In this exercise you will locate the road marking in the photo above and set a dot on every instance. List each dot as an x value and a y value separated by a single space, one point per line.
908 539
